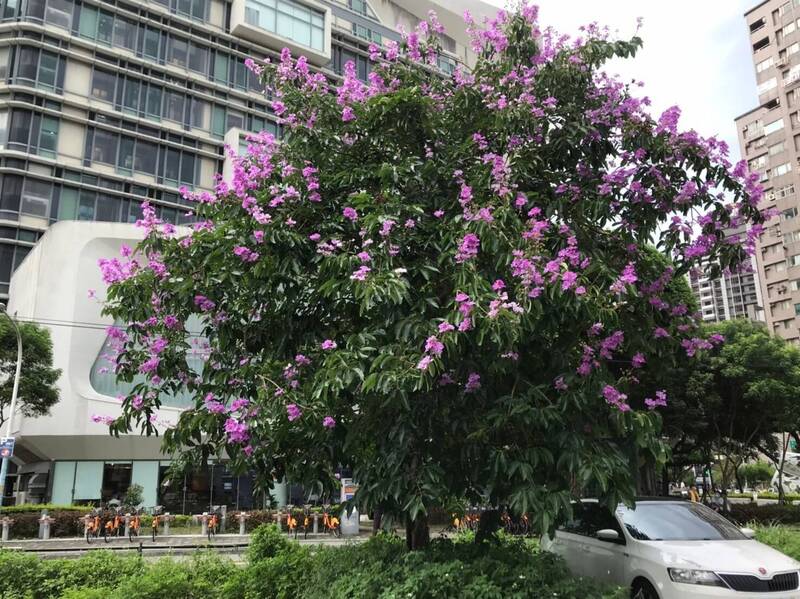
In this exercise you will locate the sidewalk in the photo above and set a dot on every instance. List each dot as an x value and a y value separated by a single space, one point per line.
163 545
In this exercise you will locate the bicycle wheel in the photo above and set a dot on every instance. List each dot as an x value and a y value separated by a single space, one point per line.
88 536
132 532
105 535
337 531
210 533
154 534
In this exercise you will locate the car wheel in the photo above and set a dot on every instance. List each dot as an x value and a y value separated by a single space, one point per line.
643 590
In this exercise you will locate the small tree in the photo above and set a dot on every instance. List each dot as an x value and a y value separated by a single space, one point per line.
37 387
731 402
134 496
444 284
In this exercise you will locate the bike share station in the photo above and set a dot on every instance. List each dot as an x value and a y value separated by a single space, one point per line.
140 529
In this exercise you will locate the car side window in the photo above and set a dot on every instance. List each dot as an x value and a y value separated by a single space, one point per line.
598 517
577 524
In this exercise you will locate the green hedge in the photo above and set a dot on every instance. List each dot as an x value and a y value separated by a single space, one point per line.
278 568
37 508
744 513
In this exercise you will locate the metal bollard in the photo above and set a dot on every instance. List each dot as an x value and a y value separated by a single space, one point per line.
242 521
166 520
127 525
41 523
6 527
204 524
315 530
44 524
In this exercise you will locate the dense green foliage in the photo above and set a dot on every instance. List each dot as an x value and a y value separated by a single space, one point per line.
783 538
728 402
281 569
37 388
446 285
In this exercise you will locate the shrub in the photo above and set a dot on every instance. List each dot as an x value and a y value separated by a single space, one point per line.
38 507
743 513
782 538
266 542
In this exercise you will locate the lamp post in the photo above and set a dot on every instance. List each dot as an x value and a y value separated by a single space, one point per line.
15 390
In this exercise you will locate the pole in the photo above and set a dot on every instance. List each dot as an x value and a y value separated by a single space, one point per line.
15 390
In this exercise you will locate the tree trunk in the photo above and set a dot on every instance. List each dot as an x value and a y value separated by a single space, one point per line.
784 449
417 533
488 526
665 482
376 520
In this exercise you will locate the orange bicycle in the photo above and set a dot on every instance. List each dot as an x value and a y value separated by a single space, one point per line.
112 526
330 524
306 521
291 521
92 526
134 526
213 524
155 523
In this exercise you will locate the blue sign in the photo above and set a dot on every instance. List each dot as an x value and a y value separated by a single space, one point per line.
6 447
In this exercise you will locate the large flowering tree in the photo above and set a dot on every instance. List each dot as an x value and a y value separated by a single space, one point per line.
446 284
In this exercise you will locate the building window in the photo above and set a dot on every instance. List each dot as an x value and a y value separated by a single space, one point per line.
103 85
367 34
767 85
52 12
35 199
288 19
789 213
757 163
194 9
776 148
781 169
33 133
39 68
797 309
773 127
764 64
150 42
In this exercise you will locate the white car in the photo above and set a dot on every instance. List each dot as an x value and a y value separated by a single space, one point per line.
672 549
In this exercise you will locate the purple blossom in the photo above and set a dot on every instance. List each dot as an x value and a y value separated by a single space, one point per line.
236 431
361 273
293 412
205 304
445 327
328 344
638 360
614 398
424 362
328 422
659 401
350 213
660 333
434 346
468 248
473 382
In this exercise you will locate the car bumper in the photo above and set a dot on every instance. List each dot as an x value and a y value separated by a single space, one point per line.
671 590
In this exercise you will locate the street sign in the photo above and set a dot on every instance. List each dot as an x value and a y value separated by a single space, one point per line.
6 447
348 489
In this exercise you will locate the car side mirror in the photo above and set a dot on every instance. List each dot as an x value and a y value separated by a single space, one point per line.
608 534
748 532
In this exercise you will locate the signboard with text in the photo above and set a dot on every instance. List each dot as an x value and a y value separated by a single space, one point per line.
6 447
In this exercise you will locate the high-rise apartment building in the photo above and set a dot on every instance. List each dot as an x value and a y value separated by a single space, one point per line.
106 102
730 296
769 136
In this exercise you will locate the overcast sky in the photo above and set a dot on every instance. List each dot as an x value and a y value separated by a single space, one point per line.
696 54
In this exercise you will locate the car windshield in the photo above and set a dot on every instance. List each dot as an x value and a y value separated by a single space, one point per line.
677 521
